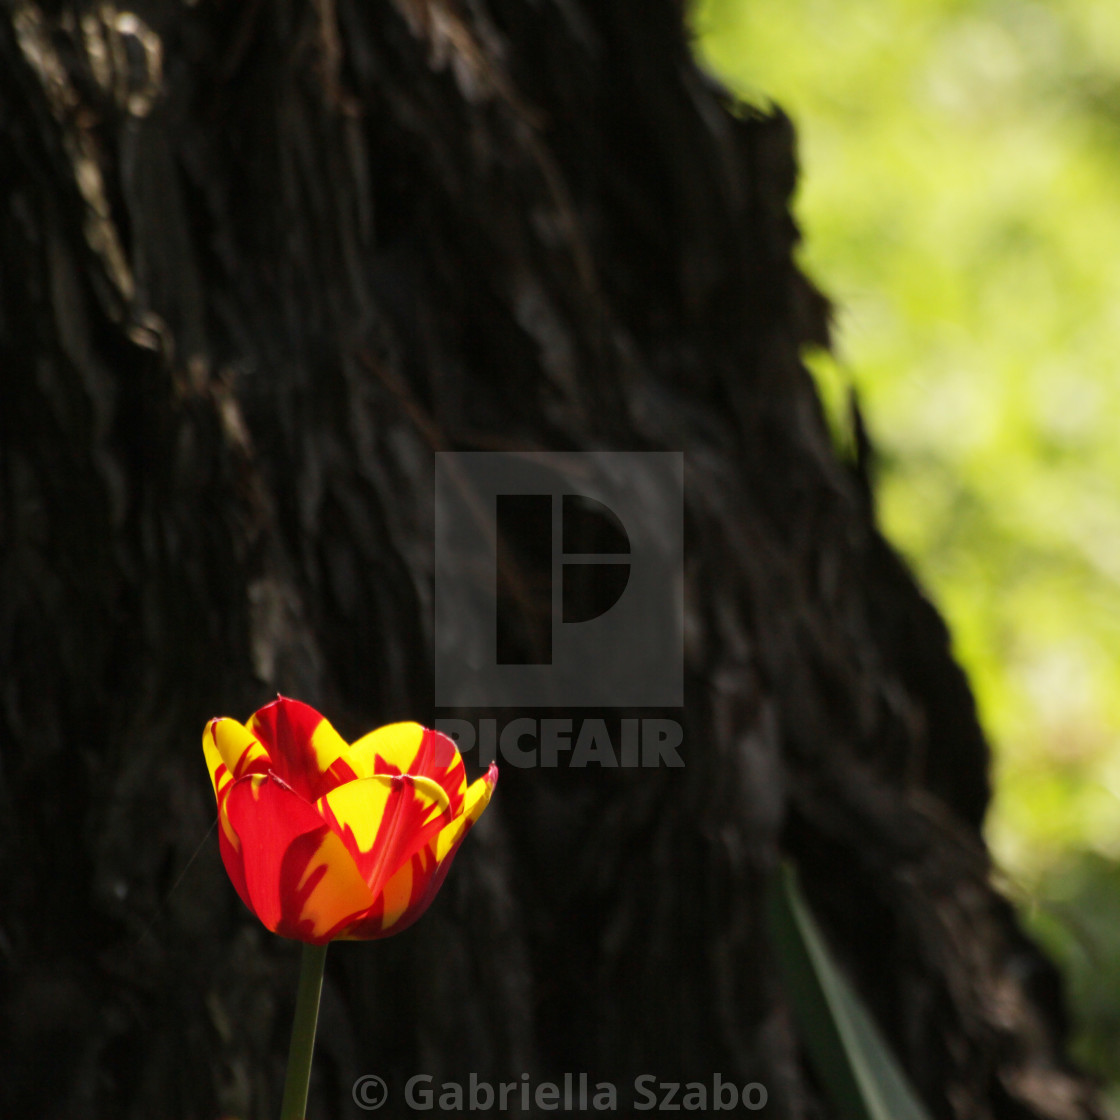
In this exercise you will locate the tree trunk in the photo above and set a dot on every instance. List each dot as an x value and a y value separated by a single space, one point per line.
258 263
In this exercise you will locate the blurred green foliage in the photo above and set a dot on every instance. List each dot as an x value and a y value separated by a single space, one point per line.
960 203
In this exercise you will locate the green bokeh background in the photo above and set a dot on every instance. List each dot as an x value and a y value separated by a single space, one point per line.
960 204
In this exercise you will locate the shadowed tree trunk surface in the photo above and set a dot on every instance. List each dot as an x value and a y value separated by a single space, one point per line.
258 262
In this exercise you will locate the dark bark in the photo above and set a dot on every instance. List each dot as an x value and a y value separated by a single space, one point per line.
243 299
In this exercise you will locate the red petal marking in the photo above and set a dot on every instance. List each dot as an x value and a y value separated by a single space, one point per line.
306 751
297 876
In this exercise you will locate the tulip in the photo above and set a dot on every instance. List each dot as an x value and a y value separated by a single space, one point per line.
323 840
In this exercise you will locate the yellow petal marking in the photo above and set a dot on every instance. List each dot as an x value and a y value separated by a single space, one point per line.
396 743
397 894
220 777
361 805
478 797
340 893
328 745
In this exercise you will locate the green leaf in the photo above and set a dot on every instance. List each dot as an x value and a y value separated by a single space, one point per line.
848 1052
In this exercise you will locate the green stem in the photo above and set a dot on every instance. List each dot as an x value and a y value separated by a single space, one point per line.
303 1032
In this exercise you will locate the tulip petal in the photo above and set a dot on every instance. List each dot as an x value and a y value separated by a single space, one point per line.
231 751
294 873
383 820
306 751
414 886
477 798
408 748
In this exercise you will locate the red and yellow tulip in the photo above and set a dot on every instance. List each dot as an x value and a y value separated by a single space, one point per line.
324 840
